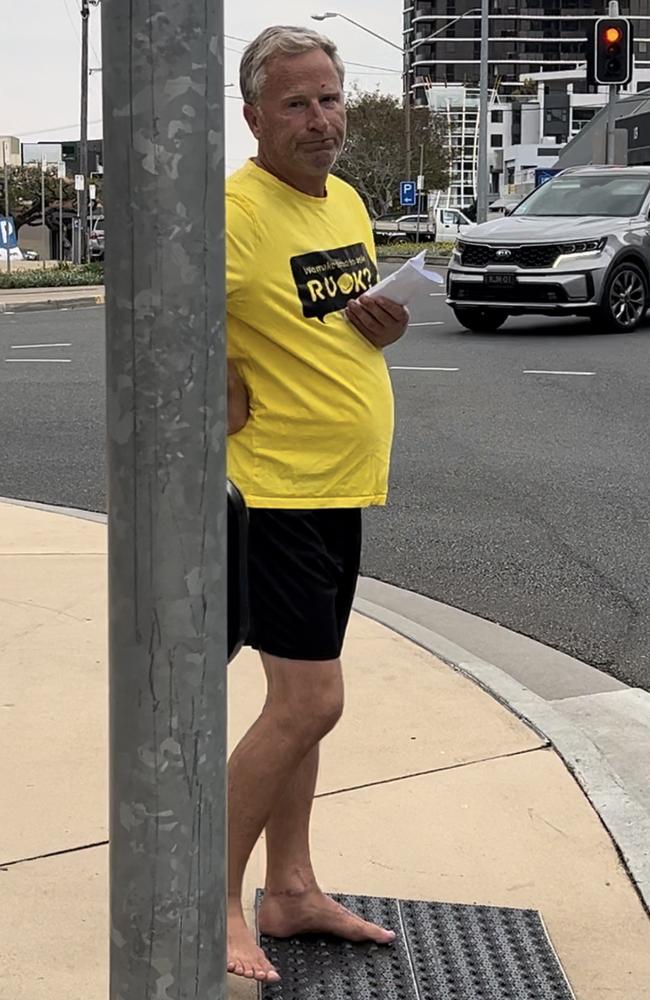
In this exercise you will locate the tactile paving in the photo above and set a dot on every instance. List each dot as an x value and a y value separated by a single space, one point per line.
443 951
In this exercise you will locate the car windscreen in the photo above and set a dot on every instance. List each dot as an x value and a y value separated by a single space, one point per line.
595 194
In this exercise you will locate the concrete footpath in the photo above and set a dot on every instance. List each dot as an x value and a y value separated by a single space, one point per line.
15 300
431 788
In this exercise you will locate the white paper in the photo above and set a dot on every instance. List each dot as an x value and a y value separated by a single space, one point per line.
410 280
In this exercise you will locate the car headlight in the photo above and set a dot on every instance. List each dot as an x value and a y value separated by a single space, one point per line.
459 246
582 246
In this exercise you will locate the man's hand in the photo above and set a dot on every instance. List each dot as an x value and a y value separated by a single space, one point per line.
238 407
381 321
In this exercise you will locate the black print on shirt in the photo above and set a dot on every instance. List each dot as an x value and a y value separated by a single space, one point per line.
326 280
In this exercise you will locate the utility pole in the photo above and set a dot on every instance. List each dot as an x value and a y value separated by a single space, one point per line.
483 173
5 167
83 145
407 112
166 378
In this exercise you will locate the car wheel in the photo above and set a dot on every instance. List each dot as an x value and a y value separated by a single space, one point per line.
625 299
480 320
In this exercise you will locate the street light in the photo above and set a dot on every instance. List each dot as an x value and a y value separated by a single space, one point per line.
344 17
405 75
483 112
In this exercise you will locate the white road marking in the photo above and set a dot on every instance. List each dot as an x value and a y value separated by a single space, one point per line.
533 371
437 295
437 323
35 347
38 361
408 368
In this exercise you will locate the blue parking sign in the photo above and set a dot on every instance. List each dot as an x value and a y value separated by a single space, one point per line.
408 194
8 239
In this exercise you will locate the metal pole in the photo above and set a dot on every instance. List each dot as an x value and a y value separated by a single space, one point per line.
483 174
407 112
76 233
165 307
419 187
611 125
83 145
60 219
43 171
610 148
5 167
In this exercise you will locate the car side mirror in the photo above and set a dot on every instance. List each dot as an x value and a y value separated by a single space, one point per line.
237 571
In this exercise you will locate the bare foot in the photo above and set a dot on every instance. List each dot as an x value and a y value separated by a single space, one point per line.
284 915
245 959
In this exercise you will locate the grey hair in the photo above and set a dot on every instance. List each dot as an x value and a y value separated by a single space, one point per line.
281 40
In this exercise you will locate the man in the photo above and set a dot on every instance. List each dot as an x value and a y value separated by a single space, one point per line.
311 424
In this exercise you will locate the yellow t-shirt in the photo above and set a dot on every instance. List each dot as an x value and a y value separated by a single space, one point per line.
321 423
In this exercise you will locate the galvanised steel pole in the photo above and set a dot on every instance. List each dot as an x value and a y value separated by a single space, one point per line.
165 306
483 173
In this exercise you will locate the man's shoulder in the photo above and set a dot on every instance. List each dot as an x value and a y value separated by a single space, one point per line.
242 205
240 187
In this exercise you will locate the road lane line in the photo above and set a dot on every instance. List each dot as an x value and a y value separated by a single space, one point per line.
35 347
439 322
534 371
409 368
38 361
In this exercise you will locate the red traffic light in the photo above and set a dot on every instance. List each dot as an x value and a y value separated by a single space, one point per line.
613 35
610 52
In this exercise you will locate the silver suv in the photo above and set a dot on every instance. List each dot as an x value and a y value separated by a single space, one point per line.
578 245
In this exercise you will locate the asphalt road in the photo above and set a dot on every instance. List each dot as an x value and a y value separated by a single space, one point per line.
517 496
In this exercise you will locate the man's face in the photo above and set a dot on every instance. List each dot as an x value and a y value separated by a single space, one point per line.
300 120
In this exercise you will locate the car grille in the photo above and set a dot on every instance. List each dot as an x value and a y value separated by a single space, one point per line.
471 291
531 257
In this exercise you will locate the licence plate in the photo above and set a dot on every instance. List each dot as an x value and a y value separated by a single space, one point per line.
501 279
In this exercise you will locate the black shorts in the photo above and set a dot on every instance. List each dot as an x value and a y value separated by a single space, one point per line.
303 571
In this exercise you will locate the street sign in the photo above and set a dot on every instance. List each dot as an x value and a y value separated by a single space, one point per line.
8 240
79 182
44 164
420 182
92 192
61 172
408 194
544 174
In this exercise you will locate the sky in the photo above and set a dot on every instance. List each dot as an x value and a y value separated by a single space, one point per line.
41 58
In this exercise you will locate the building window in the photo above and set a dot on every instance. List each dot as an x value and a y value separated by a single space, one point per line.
496 141
497 116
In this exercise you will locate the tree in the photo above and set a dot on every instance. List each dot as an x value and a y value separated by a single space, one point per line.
373 157
25 196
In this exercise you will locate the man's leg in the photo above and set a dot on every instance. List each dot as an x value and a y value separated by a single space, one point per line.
293 902
304 702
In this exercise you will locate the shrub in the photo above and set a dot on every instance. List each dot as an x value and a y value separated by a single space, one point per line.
65 275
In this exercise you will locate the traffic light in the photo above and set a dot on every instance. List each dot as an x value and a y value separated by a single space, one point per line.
610 53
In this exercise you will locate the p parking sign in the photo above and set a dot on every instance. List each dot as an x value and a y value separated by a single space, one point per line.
8 239
408 194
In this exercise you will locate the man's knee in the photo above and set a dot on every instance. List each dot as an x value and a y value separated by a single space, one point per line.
307 697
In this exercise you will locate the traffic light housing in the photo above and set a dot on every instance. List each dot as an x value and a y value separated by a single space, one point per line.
610 52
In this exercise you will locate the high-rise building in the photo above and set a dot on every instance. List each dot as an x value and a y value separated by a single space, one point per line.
525 37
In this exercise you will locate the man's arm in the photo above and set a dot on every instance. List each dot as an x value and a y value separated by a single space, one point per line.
379 320
238 405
